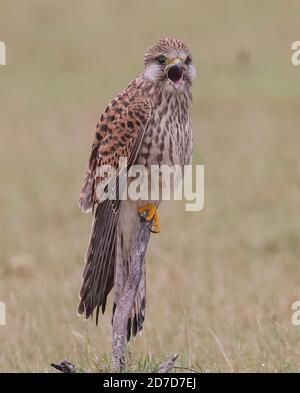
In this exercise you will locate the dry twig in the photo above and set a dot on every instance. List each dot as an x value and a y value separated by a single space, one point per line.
124 307
125 304
167 366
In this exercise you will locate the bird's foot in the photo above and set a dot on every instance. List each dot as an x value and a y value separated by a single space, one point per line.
149 214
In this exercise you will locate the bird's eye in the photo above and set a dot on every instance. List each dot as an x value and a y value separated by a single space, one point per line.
188 60
161 60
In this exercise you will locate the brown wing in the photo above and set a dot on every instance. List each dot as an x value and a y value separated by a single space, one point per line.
119 134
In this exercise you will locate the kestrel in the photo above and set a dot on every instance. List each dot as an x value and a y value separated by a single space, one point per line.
149 124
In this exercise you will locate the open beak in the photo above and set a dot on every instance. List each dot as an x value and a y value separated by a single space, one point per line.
175 72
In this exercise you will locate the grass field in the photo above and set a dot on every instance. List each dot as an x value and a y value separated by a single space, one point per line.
221 281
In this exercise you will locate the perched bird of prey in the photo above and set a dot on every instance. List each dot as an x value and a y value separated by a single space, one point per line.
149 124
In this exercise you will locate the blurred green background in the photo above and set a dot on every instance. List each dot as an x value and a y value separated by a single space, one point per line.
221 281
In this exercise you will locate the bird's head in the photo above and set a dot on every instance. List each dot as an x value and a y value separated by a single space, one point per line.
169 61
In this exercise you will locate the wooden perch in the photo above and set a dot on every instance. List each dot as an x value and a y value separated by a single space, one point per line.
125 304
65 367
124 308
69 368
167 366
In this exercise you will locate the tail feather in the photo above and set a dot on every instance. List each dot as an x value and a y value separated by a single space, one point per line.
107 265
98 275
139 308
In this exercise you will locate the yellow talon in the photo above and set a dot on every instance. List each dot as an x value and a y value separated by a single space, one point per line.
152 215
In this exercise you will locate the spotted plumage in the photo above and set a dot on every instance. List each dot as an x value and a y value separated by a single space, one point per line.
149 124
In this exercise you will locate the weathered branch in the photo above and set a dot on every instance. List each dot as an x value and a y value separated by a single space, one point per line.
124 308
125 304
167 366
65 367
68 368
